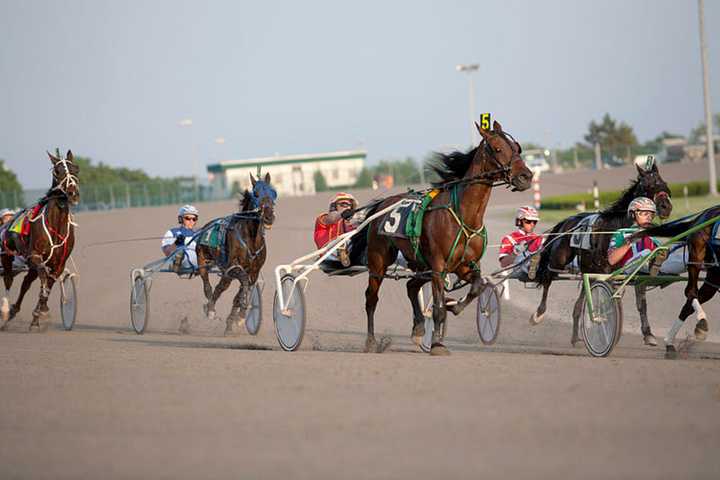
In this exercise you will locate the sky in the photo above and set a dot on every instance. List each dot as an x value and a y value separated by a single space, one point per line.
113 80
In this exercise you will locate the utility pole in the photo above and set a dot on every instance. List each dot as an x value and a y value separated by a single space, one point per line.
708 112
470 69
598 157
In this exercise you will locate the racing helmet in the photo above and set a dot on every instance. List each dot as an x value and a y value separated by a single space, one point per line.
641 203
6 211
187 210
340 196
526 212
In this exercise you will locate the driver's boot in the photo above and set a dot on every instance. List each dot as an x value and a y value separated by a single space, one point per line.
177 262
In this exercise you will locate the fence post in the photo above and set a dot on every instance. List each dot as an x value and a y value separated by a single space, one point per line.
596 196
112 197
685 194
127 196
536 189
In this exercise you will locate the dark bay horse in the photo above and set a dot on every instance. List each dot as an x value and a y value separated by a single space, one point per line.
244 250
558 253
703 252
453 237
48 244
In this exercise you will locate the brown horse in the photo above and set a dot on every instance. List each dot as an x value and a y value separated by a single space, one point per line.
49 242
244 250
453 235
703 253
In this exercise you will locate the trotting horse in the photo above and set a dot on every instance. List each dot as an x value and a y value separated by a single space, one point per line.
49 242
702 253
453 235
559 253
244 250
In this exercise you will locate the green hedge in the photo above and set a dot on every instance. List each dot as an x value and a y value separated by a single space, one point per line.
568 202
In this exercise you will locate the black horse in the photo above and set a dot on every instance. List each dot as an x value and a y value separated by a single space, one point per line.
243 253
559 253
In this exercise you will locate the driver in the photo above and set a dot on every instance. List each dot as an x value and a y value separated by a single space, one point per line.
517 246
642 210
330 225
179 240
6 215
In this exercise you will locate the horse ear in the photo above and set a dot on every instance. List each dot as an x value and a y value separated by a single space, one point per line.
497 128
267 177
484 133
252 180
69 156
53 158
641 171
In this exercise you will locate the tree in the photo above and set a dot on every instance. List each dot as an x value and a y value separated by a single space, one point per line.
320 182
699 132
365 179
8 180
614 138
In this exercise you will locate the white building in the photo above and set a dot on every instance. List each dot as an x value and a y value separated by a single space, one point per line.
291 175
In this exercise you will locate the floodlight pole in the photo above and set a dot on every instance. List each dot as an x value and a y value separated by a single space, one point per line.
470 69
708 112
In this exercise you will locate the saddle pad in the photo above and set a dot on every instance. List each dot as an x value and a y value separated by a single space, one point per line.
214 236
715 236
395 222
581 237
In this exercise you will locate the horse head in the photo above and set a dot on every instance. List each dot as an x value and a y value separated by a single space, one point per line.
65 176
504 152
650 184
263 198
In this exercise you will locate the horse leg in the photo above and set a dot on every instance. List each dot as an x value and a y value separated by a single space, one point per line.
413 288
641 304
439 315
41 309
6 261
24 287
707 291
539 314
239 308
691 305
209 307
576 319
371 300
477 285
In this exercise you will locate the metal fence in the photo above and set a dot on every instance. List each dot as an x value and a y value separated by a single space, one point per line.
108 197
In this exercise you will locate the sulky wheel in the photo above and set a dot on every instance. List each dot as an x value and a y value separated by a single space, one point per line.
602 332
488 315
139 305
289 323
68 302
254 315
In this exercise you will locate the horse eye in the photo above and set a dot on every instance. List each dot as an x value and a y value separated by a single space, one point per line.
497 150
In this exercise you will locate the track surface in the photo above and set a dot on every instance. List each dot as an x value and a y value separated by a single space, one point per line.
104 402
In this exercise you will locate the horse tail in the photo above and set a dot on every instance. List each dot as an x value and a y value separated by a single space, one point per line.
544 274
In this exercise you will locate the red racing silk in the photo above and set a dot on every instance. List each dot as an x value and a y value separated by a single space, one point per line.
515 243
327 233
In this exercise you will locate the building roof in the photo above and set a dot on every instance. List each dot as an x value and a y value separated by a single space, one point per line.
285 159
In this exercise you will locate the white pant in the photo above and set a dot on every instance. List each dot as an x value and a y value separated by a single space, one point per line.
674 264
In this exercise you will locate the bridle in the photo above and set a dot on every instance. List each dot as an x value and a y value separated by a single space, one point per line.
68 180
489 177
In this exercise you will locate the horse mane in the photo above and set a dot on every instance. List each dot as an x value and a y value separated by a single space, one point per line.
619 207
451 166
245 202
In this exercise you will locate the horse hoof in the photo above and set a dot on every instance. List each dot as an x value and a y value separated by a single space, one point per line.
417 340
439 350
536 319
3 327
575 340
370 345
701 330
650 340
670 352
385 343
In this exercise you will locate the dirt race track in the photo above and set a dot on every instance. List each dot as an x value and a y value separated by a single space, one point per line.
103 402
